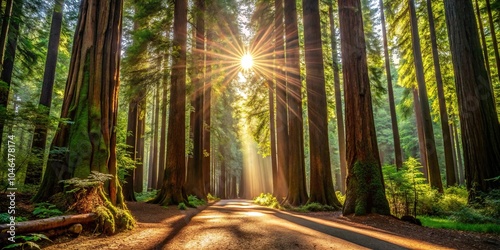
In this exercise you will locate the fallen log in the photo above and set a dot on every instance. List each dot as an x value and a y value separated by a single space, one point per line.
49 223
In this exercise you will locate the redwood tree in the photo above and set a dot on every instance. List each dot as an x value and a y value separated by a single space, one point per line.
281 104
195 173
478 117
430 143
173 178
87 141
297 194
365 188
321 181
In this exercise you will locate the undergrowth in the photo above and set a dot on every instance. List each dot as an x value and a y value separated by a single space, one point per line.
195 202
267 200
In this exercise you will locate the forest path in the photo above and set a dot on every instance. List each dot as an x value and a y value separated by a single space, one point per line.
240 224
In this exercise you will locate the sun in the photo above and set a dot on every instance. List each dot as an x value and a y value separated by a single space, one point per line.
246 61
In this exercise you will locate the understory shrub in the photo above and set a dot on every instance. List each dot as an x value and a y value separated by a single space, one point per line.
267 200
195 202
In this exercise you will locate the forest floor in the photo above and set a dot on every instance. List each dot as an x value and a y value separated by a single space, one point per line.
157 226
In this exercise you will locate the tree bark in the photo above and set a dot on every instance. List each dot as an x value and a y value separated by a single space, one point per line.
297 194
172 191
34 226
128 187
7 66
478 117
34 168
338 101
281 103
272 122
493 36
390 93
195 179
321 181
420 133
5 29
430 144
484 44
445 128
154 165
207 107
365 188
90 102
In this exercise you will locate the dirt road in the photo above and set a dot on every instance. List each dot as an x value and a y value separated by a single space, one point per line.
239 224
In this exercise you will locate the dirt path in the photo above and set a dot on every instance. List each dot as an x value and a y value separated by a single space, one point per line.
238 224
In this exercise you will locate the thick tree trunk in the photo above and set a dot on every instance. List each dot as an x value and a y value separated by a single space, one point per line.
90 103
34 169
297 194
445 128
390 93
365 188
321 182
195 175
175 170
338 102
281 104
430 144
478 117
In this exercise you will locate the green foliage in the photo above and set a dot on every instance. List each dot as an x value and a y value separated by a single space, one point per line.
267 200
146 196
212 198
340 197
451 224
195 202
29 241
46 210
313 207
182 206
5 218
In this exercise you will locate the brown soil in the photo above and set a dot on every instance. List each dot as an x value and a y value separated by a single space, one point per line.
444 237
156 225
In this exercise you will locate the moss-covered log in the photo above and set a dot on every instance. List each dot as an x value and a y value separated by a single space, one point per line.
34 226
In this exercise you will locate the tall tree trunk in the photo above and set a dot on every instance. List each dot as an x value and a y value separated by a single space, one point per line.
459 153
90 102
222 177
281 103
34 169
478 117
272 122
297 194
390 92
195 179
338 101
321 182
454 152
5 29
493 36
7 66
207 107
445 128
163 125
365 188
154 166
484 44
128 187
420 133
430 144
139 141
175 170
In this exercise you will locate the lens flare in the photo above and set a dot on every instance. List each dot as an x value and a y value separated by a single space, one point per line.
246 61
